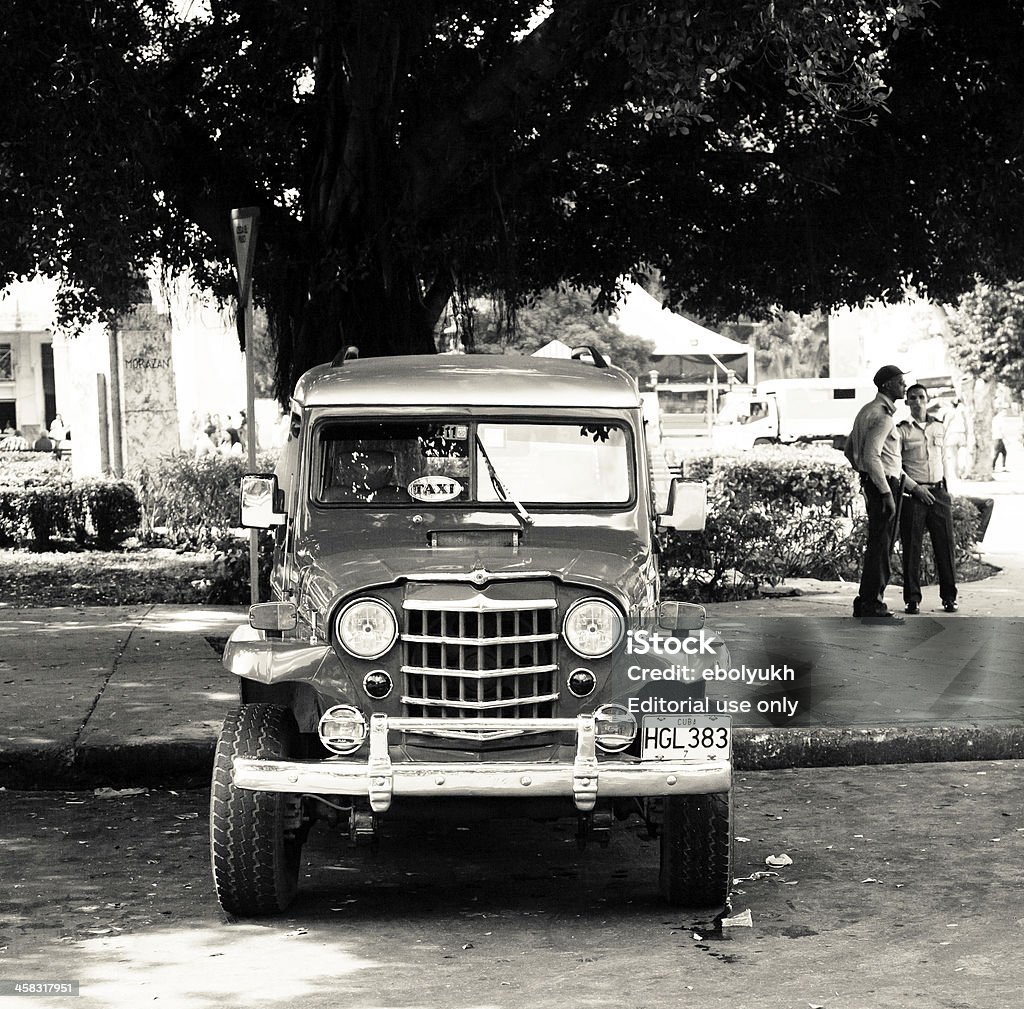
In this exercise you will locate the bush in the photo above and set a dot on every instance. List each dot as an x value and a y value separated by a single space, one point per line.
228 584
26 469
101 510
782 513
776 513
109 510
195 501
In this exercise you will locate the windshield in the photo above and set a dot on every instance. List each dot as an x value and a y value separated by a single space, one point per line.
415 462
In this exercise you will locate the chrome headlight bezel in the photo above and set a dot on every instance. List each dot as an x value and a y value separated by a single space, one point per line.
616 628
343 629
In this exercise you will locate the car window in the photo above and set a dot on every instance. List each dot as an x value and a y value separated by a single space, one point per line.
417 462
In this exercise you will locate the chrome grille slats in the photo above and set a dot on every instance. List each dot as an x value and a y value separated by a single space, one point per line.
472 653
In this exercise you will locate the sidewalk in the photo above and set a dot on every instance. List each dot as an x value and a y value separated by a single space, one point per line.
135 695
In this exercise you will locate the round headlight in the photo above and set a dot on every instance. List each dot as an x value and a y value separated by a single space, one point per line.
592 628
366 628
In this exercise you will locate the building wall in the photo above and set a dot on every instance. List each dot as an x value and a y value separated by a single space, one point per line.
26 319
175 362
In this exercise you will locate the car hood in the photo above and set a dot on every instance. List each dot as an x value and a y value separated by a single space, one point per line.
626 573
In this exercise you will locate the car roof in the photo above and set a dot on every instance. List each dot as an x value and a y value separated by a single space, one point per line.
489 380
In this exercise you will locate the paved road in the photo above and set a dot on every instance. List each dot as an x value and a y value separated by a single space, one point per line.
904 891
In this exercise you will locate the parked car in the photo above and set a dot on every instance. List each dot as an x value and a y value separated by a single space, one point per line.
466 620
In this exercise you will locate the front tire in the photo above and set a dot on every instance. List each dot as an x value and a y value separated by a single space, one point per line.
255 837
696 850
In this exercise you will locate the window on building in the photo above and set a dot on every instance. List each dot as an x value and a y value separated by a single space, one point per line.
6 363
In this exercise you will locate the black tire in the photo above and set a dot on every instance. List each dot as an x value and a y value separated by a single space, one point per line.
696 850
254 855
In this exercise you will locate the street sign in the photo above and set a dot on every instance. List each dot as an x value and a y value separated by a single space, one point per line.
244 225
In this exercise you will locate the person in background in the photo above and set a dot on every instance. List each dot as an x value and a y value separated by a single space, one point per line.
873 450
922 447
202 439
998 439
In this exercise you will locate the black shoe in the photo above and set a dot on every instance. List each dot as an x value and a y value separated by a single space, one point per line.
881 617
856 606
912 608
951 606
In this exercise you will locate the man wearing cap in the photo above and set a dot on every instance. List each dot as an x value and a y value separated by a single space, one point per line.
923 450
873 449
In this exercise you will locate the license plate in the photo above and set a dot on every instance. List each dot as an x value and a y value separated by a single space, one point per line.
675 737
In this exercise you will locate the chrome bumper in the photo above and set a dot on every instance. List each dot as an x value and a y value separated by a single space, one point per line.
585 779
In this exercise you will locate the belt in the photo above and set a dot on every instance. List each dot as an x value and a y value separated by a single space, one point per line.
938 483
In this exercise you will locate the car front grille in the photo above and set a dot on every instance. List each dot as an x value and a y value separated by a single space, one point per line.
480 657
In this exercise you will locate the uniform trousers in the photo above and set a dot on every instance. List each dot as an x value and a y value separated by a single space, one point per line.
877 566
915 518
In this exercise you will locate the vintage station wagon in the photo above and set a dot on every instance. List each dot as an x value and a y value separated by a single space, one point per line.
465 559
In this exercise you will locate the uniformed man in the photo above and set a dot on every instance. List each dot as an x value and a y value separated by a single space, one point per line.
873 449
923 450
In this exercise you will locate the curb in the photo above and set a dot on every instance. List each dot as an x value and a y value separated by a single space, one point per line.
167 764
773 749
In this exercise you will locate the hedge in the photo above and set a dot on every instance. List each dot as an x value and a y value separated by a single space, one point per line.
99 512
781 513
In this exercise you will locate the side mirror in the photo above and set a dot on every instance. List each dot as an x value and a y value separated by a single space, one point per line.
687 507
260 501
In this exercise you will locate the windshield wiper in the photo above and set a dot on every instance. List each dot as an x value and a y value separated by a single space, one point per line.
501 490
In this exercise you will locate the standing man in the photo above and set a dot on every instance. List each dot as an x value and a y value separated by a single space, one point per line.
923 450
873 449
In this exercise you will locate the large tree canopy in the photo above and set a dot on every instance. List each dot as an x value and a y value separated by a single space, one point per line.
405 151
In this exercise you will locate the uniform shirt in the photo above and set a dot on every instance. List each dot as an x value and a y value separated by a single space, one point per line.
923 447
873 447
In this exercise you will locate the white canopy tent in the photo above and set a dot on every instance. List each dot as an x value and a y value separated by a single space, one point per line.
678 338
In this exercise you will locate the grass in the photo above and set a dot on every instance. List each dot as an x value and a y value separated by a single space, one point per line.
70 577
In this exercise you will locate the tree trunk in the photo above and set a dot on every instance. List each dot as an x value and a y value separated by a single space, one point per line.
380 314
978 399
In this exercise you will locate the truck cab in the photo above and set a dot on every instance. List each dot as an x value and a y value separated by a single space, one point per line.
466 621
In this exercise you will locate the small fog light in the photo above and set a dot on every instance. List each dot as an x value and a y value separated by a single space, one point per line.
614 727
342 729
581 682
378 684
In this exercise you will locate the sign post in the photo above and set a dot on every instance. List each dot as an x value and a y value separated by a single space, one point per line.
244 226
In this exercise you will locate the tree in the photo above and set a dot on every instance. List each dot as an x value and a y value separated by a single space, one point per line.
567 316
790 346
403 152
987 341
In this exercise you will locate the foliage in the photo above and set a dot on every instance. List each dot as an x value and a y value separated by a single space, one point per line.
228 580
987 341
565 315
779 477
108 509
99 512
24 469
782 513
193 501
790 345
804 153
987 333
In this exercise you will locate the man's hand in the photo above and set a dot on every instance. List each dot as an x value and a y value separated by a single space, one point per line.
924 495
888 505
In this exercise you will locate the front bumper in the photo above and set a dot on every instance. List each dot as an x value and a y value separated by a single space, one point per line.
584 780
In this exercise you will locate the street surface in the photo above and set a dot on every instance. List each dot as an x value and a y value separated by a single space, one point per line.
904 891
